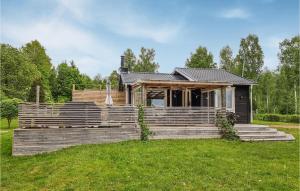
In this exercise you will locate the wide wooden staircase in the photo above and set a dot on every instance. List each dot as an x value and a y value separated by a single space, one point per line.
252 132
181 123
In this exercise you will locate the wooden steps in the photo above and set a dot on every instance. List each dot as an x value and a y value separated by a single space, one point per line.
184 132
252 132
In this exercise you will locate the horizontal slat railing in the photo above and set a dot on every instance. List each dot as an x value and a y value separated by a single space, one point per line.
180 115
88 114
74 114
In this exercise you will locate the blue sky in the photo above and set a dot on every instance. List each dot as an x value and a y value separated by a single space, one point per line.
95 33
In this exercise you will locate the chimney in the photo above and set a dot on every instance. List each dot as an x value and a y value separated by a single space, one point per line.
122 68
122 61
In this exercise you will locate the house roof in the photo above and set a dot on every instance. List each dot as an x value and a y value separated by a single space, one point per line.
146 76
187 75
211 75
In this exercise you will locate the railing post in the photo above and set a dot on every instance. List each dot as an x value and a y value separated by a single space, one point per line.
208 116
37 97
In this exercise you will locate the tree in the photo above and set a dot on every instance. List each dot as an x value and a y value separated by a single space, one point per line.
32 92
250 57
200 59
289 73
53 83
17 73
9 109
66 77
114 79
37 55
264 93
99 82
86 82
226 59
146 62
129 59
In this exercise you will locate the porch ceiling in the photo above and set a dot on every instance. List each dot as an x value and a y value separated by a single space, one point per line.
181 85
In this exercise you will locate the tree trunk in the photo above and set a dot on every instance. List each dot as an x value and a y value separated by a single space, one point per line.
295 94
8 122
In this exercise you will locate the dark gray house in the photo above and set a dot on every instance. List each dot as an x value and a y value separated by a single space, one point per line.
190 87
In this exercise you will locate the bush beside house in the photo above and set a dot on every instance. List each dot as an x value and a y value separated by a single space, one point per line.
278 118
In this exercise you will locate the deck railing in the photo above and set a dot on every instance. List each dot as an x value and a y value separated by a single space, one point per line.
88 114
180 115
74 114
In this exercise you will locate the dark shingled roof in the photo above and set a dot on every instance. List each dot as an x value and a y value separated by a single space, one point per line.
187 74
212 75
134 76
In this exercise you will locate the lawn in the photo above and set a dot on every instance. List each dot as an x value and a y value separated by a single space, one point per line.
277 124
156 165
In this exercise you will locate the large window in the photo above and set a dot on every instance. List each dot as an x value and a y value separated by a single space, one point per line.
229 99
156 97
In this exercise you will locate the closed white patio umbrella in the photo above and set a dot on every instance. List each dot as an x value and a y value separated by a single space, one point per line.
108 100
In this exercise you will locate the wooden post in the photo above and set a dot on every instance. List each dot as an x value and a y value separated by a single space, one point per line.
144 95
190 98
186 97
223 100
208 116
132 96
74 87
251 112
182 99
126 94
166 97
171 97
37 95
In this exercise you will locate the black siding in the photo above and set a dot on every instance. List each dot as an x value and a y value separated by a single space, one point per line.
242 103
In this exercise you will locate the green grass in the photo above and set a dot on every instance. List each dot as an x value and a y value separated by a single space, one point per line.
4 124
274 123
156 165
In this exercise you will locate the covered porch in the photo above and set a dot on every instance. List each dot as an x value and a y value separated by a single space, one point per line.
178 103
177 94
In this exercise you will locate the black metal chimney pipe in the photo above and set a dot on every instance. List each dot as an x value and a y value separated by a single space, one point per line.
123 69
122 61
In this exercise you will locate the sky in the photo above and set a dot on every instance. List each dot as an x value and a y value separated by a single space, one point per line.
95 33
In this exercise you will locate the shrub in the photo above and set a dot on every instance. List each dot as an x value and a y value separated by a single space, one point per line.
278 118
9 109
226 124
145 131
232 117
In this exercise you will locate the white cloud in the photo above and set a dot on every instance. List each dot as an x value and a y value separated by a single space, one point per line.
161 33
273 42
123 19
77 8
64 41
271 61
236 13
66 33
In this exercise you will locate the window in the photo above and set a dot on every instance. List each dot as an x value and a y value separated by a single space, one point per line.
218 98
229 98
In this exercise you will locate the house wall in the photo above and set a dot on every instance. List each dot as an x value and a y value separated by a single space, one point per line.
242 103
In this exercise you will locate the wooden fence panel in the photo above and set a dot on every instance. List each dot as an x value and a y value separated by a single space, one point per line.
74 114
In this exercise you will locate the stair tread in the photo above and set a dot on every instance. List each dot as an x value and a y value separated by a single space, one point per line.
288 137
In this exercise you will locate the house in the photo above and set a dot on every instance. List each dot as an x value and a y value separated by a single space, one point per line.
179 105
189 87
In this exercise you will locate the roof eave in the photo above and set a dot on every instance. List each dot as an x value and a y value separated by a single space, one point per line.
183 74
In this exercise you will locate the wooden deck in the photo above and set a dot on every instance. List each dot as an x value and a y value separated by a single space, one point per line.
34 141
47 127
